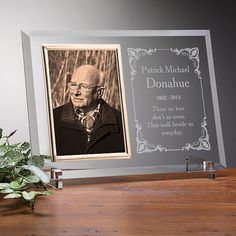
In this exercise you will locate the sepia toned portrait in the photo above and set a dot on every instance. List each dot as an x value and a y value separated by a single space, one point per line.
86 101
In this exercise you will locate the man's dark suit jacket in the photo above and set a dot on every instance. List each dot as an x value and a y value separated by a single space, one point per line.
72 138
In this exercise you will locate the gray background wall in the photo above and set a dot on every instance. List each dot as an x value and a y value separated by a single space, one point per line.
27 15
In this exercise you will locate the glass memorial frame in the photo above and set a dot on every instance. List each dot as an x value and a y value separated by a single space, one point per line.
149 154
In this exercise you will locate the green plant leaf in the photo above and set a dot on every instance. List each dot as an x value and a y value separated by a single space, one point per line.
2 163
25 146
32 179
38 172
36 161
16 171
14 146
4 185
32 194
11 158
27 153
13 195
47 193
15 185
7 190
22 182
46 157
28 196
3 149
11 134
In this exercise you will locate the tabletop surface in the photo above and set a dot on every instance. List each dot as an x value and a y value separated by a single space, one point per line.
130 205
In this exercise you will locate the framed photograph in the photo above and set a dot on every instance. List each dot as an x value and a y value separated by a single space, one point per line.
123 102
86 104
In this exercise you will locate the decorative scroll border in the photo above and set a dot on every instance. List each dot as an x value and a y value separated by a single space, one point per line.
203 142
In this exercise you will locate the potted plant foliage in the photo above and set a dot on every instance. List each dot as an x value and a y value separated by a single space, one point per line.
21 174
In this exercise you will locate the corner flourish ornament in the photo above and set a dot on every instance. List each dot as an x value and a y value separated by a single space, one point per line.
193 55
143 145
134 56
203 142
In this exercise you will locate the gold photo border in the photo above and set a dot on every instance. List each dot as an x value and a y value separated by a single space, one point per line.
100 156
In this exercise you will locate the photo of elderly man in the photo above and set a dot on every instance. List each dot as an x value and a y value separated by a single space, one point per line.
87 124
